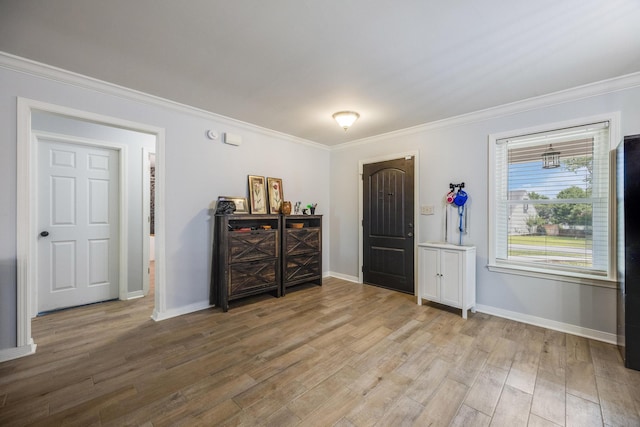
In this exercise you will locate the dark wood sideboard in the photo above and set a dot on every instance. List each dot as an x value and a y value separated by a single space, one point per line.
253 254
301 250
246 257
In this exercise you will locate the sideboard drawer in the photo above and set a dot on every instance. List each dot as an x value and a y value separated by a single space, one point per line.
249 276
252 245
301 267
304 240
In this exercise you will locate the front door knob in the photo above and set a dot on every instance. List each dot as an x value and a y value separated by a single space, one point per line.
44 233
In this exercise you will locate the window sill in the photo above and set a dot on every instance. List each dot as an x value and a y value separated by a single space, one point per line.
582 279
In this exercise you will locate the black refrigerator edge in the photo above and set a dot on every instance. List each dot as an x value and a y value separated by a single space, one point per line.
628 236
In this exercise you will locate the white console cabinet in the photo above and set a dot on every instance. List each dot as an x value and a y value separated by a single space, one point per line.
447 275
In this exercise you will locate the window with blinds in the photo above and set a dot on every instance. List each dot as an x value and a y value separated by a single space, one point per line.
551 194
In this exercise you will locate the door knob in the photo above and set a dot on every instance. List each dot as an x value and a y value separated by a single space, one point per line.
410 234
44 233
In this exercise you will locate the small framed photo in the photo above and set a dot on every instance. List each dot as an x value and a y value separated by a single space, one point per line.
242 207
276 196
257 195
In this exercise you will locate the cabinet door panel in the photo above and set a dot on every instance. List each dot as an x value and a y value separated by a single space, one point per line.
254 245
429 280
302 240
301 267
451 269
250 276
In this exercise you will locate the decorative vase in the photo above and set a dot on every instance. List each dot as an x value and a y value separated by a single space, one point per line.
313 211
286 208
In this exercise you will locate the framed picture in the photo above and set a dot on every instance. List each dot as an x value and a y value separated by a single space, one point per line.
242 207
276 196
257 195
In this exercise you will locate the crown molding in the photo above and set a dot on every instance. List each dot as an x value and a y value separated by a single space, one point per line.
38 69
577 93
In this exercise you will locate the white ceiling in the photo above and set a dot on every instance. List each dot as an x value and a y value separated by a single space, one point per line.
288 65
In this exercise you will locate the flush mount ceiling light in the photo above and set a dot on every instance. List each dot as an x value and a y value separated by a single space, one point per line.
345 118
550 158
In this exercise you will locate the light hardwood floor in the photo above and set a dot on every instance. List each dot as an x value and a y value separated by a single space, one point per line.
342 354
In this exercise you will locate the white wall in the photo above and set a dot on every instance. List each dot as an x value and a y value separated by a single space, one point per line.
456 151
198 170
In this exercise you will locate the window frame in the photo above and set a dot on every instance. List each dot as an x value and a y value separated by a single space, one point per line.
511 267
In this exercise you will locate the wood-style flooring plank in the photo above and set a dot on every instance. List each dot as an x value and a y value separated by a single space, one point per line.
583 413
443 406
618 406
343 354
309 401
524 368
549 398
424 387
536 421
581 380
333 410
485 392
378 401
513 408
403 414
469 417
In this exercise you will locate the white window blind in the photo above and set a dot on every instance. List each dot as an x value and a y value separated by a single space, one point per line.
554 218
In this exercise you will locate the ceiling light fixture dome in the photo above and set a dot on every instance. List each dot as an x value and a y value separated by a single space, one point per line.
346 118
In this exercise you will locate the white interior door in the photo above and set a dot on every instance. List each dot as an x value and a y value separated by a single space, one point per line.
78 193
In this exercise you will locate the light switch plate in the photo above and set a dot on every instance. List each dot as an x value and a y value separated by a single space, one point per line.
427 210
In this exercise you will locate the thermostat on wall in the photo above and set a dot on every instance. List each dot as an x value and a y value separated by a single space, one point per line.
232 139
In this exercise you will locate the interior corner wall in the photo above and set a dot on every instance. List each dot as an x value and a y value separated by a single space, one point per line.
459 153
198 170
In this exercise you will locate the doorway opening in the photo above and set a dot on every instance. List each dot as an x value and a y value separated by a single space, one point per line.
133 261
81 196
388 232
148 203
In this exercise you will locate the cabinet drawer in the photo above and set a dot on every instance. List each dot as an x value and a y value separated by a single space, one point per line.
253 245
301 267
304 240
249 276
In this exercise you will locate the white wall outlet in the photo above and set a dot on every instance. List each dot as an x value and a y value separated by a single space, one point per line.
427 210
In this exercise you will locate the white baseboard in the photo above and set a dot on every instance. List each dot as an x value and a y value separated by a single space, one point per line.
135 294
158 316
346 277
175 312
549 324
16 352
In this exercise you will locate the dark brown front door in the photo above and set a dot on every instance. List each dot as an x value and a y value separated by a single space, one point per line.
388 224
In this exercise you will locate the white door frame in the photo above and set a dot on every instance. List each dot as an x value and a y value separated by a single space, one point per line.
146 218
416 207
123 197
26 221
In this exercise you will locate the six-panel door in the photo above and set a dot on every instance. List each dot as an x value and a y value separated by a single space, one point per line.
78 193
